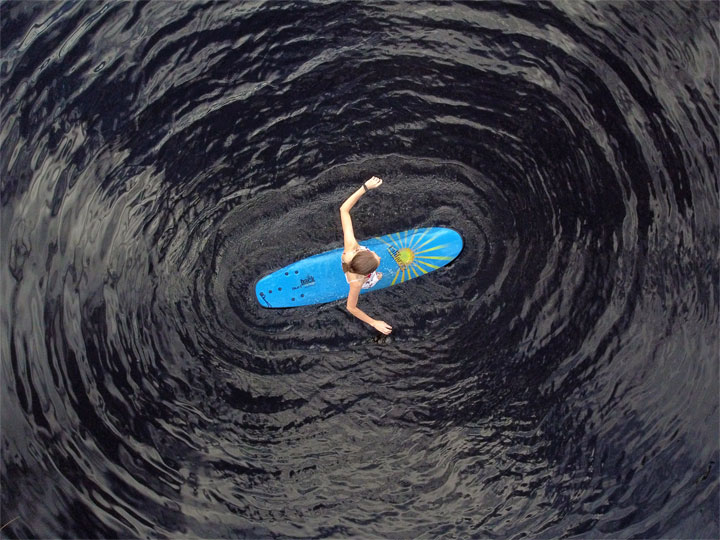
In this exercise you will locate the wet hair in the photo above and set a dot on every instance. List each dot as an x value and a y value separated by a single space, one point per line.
363 263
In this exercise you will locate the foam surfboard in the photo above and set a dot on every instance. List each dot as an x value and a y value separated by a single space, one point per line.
319 279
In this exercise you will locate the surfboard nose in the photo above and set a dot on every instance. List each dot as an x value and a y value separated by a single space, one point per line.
456 243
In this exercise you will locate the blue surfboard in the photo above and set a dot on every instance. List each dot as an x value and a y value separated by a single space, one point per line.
320 279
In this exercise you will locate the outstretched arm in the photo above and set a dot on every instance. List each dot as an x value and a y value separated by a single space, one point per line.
380 326
348 232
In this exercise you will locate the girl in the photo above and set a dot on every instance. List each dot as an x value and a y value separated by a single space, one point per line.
358 262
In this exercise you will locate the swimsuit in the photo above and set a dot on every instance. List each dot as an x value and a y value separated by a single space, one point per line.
370 279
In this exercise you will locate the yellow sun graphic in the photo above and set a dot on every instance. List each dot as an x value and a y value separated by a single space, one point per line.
407 253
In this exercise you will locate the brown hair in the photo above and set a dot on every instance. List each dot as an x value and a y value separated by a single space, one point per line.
363 263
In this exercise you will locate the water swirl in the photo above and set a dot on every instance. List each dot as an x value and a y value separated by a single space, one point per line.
559 379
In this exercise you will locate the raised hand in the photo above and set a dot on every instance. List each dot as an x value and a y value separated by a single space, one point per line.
374 182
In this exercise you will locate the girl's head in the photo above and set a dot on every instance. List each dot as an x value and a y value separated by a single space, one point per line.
364 262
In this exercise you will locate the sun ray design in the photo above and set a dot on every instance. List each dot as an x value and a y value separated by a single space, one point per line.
425 243
436 257
412 238
387 240
383 241
420 238
430 249
413 252
428 264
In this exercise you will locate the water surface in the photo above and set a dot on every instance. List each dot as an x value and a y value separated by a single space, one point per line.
559 379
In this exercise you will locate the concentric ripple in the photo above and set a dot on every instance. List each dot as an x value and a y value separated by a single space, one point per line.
559 379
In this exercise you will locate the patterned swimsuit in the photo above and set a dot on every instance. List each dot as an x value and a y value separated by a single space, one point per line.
370 279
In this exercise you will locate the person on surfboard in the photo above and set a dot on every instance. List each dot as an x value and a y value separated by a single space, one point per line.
358 262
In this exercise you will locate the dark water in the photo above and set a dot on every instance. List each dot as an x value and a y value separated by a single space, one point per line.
560 379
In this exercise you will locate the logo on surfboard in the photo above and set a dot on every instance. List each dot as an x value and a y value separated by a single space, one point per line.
403 257
307 281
